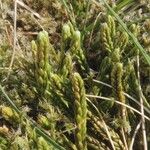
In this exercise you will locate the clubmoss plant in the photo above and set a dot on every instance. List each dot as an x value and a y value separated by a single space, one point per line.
67 66
71 42
116 81
42 144
108 34
9 114
80 108
78 53
40 50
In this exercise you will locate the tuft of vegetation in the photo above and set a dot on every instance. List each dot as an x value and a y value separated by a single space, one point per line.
75 75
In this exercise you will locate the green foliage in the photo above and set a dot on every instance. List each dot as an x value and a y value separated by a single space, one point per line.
50 99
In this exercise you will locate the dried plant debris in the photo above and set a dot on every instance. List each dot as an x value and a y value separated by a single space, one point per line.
78 80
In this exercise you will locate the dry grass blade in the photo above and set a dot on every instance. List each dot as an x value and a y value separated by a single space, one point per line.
127 95
142 109
105 126
134 135
127 106
15 38
29 9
